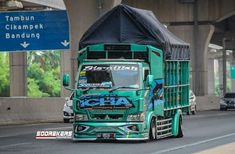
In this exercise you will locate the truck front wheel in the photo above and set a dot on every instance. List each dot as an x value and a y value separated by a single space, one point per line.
153 130
180 131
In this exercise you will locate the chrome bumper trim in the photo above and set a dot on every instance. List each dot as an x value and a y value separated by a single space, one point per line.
119 139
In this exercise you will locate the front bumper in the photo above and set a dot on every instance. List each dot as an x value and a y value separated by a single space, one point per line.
121 130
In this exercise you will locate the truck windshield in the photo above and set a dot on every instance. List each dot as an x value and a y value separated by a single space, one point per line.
109 76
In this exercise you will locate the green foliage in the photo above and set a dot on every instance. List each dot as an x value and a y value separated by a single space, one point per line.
33 89
44 74
219 87
4 75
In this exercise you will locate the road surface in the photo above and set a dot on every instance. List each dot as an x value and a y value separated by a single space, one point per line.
203 133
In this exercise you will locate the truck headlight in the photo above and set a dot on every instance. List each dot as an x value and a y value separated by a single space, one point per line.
80 117
136 117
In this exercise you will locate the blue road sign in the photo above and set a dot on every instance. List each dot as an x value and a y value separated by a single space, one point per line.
34 30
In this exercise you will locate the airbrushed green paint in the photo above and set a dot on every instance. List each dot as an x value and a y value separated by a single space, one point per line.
118 127
131 95
139 48
149 116
159 109
136 96
175 122
96 48
156 70
153 48
176 93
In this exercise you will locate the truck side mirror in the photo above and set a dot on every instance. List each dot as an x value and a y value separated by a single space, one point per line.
149 80
66 80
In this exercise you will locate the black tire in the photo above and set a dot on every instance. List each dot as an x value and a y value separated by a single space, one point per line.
180 131
153 130
66 120
188 113
193 112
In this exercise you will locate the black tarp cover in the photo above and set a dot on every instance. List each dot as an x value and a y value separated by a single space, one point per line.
125 24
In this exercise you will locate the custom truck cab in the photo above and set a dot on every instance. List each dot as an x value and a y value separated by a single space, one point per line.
111 102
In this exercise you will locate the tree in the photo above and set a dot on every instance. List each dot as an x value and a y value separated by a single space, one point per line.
4 75
44 74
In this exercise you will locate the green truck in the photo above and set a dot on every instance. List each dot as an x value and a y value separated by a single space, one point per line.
127 89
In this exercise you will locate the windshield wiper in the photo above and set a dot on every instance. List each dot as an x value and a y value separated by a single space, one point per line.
126 87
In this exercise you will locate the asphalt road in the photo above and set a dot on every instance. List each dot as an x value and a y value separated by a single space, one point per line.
202 131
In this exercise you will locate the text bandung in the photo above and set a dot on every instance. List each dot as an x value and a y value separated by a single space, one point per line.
22 36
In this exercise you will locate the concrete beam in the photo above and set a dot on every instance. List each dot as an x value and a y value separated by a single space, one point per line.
58 4
168 11
18 77
165 10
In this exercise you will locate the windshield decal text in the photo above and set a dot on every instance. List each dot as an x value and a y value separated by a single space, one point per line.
105 101
112 68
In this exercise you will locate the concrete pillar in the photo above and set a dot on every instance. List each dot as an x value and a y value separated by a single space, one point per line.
18 77
81 14
220 71
198 54
211 77
65 63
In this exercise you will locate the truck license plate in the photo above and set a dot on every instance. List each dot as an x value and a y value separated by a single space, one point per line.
105 136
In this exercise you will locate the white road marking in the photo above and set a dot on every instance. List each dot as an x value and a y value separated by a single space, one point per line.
13 145
193 144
